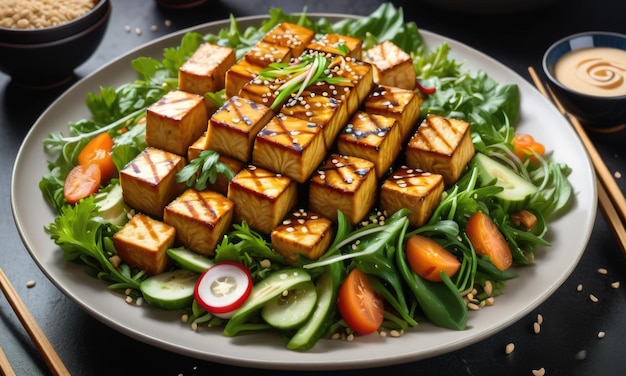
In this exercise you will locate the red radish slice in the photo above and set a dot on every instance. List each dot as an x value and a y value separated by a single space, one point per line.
223 288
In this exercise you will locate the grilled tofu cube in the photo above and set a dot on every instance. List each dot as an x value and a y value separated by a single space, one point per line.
343 183
205 70
327 112
358 74
264 54
302 233
264 92
414 189
337 44
290 146
392 65
198 146
149 180
345 93
262 197
239 75
372 137
176 121
441 145
400 104
290 35
234 126
142 243
201 219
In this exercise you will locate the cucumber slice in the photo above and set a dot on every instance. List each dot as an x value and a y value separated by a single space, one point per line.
170 290
516 190
264 291
291 308
190 260
112 206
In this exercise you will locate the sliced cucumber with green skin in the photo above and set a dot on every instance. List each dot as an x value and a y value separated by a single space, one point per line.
516 190
262 292
170 290
190 260
316 326
291 308
112 206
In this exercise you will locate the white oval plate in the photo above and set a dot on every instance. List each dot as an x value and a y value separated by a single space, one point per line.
165 330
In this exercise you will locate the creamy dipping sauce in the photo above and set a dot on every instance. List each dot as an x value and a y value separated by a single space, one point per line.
597 71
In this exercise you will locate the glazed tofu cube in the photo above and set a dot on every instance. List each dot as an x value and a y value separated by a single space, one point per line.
264 54
392 65
205 70
290 146
176 121
327 112
201 219
149 180
239 75
358 74
414 189
142 243
441 145
337 44
343 183
372 137
262 198
400 104
344 93
290 35
198 146
264 92
234 126
302 233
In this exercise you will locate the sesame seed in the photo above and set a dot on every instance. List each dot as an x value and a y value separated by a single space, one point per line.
536 328
168 23
539 372
593 298
579 287
30 284
138 31
508 349
602 271
601 335
539 318
615 284
581 355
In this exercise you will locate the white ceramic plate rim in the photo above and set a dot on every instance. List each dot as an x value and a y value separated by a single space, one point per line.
569 235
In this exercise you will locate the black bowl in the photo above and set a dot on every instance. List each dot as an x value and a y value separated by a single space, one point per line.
598 111
46 57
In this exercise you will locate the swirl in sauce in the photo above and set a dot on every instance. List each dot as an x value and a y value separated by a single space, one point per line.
599 71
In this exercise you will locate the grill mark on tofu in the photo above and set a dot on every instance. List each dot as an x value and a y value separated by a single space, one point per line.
149 160
435 135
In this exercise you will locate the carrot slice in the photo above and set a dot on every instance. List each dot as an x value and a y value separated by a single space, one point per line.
82 181
525 146
98 151
428 258
487 239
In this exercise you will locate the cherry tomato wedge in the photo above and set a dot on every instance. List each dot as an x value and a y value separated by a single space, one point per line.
223 288
98 151
428 258
359 305
487 239
525 146
81 181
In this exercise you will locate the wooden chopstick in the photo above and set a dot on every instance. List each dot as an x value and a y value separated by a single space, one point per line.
610 196
52 359
5 365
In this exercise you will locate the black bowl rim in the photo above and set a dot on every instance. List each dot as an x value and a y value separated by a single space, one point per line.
46 34
553 46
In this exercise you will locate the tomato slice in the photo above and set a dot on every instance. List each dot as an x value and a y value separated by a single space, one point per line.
525 146
82 181
223 288
98 151
359 305
428 258
487 239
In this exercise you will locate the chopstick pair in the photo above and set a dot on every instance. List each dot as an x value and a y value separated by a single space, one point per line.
52 359
610 196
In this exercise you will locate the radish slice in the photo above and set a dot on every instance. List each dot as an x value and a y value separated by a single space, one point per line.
223 288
